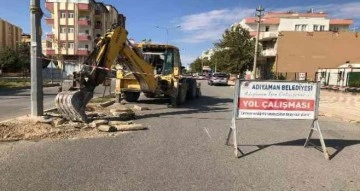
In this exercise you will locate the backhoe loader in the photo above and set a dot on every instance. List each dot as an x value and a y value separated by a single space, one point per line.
152 69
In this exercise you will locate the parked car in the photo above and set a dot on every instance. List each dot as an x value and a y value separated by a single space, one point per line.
218 79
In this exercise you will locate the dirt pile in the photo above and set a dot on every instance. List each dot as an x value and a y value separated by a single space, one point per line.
51 125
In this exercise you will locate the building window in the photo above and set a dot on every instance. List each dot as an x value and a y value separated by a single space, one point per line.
297 27
71 45
63 45
322 27
86 46
62 29
267 28
303 27
316 27
71 15
335 29
71 29
63 15
86 31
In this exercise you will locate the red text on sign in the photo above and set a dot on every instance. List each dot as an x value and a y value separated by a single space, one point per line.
276 104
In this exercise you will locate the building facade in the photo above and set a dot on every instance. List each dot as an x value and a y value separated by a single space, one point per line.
10 35
273 24
306 52
75 26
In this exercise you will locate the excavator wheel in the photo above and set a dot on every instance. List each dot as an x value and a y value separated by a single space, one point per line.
149 95
182 94
132 96
191 94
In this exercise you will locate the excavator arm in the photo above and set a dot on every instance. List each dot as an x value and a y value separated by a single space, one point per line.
72 104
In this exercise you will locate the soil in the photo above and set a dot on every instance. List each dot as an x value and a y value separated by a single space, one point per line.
36 129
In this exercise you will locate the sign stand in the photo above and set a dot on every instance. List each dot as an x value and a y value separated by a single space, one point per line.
232 130
314 125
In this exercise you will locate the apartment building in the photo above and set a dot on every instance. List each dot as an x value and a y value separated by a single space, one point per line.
10 35
75 25
273 24
207 54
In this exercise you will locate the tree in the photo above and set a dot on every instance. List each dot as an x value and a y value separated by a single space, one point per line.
9 60
195 66
235 50
24 56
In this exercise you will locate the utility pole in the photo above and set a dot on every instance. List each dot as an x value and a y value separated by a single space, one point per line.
37 105
259 11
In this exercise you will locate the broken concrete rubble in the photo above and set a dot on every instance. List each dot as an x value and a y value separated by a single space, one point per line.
140 108
106 128
120 122
99 122
130 127
106 104
57 122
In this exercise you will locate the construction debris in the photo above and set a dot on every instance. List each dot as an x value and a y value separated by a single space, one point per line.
52 125
106 128
57 122
107 103
120 123
136 107
130 127
99 122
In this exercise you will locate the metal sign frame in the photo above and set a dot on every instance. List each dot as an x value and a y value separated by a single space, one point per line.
314 125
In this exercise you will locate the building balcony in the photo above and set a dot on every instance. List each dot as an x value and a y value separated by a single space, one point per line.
84 22
268 35
50 51
268 53
49 21
82 52
84 37
50 36
84 7
49 6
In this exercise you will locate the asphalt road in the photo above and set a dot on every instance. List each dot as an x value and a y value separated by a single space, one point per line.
183 149
16 102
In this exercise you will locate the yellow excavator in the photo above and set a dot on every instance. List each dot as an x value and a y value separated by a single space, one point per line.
152 69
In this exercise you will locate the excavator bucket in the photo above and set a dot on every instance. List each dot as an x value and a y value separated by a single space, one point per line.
72 104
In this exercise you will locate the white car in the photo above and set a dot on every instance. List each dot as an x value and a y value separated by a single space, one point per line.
218 79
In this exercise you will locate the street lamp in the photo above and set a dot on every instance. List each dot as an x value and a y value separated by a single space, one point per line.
167 30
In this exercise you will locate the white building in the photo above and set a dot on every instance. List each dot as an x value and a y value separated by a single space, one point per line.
207 54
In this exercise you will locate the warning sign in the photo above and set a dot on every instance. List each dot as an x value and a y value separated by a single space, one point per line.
271 99
276 99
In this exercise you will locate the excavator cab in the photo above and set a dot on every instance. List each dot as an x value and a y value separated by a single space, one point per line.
165 61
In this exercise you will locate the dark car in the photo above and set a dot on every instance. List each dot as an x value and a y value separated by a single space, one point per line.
218 79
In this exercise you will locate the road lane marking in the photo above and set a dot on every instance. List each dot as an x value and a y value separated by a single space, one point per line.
207 132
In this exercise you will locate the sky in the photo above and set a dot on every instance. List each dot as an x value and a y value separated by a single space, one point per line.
201 21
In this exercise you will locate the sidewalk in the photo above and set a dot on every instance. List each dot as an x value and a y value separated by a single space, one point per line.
345 106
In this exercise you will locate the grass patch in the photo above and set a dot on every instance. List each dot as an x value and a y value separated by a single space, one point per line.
103 99
14 83
9 83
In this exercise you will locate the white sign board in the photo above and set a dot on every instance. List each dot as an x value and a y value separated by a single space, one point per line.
274 99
